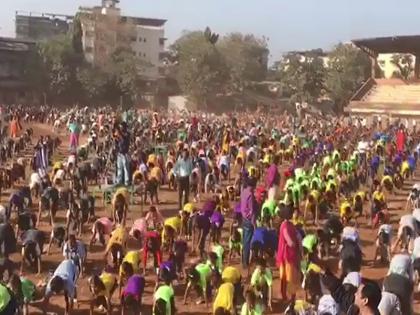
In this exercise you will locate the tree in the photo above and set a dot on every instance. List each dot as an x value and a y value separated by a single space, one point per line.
77 35
201 70
404 63
348 68
302 76
246 56
93 81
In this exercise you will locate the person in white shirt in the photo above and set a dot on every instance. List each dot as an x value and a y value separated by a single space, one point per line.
383 242
406 232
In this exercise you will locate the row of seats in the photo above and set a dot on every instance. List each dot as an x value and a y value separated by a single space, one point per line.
394 93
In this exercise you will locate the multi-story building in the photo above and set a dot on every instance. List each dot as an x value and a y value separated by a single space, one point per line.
41 26
104 29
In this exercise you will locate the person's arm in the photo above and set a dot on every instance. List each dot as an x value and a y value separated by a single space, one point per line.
173 307
187 292
397 242
270 289
288 239
39 265
23 259
39 213
50 242
200 239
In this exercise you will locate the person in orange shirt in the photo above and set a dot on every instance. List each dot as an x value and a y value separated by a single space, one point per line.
14 127
152 186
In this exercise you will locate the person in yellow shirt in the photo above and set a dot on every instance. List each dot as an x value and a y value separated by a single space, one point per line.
120 203
132 258
312 206
102 288
346 212
171 228
358 202
117 244
153 182
387 183
223 303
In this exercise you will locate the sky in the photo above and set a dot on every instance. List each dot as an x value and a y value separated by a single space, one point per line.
288 24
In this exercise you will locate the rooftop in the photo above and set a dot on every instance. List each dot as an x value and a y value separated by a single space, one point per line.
13 44
387 45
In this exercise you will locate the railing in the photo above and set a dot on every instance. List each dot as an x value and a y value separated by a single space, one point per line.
363 90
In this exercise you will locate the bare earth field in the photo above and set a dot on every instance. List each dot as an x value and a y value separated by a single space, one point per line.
168 207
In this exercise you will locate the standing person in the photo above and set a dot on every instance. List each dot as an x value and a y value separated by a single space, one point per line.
14 127
74 134
288 255
272 179
368 297
248 206
123 144
182 170
400 138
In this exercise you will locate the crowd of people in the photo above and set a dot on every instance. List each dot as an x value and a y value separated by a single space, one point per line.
262 200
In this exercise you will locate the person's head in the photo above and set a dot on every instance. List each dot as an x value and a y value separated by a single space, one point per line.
286 212
57 284
185 154
213 258
72 240
127 269
368 297
193 276
159 307
251 299
96 284
15 284
131 303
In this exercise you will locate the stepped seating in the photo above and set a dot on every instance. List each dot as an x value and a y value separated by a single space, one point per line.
394 93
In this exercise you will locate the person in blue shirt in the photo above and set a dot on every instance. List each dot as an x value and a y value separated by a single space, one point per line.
182 170
63 281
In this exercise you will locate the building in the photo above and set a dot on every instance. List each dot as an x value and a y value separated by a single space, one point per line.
41 26
383 97
104 29
13 57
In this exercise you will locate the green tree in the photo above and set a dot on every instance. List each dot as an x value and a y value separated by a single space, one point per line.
93 81
405 65
348 68
302 76
77 35
246 57
201 69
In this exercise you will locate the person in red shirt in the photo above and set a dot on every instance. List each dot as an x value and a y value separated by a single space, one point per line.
152 245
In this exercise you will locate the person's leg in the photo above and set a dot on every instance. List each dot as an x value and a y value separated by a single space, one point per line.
180 193
126 165
120 167
248 230
187 189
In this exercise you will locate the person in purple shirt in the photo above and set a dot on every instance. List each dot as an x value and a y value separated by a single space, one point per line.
217 220
272 179
131 296
249 213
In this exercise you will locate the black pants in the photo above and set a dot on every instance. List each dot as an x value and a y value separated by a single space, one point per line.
184 187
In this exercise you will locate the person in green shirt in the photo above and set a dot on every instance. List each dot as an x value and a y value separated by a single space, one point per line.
262 281
251 306
199 277
164 298
24 291
8 302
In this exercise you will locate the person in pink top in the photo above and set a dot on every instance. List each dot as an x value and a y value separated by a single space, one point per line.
103 226
153 218
288 256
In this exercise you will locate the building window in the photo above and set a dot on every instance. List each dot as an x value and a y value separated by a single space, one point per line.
133 39
144 39
144 55
140 39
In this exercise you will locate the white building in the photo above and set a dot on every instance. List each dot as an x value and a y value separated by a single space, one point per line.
104 28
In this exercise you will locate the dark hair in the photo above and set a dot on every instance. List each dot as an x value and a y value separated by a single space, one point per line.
127 268
193 275
221 311
30 253
372 292
160 307
56 284
131 302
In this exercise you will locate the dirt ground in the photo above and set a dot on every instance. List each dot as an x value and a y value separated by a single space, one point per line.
95 261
